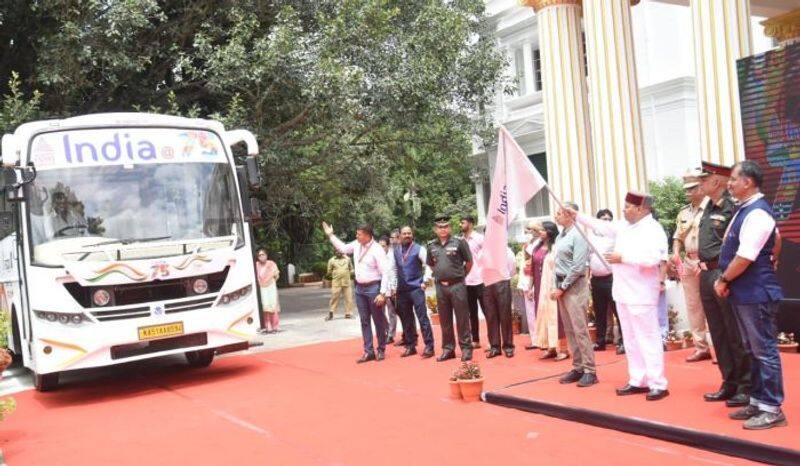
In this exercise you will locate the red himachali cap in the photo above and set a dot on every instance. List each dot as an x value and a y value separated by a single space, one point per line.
635 198
715 169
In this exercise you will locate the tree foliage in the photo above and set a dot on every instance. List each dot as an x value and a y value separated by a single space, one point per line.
363 109
669 200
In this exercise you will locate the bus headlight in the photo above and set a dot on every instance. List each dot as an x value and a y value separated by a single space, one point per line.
200 286
101 297
228 298
62 317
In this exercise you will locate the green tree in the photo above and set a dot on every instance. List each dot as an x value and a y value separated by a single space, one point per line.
357 105
669 200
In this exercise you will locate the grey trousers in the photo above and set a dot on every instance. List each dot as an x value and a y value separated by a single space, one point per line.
453 300
572 308
497 298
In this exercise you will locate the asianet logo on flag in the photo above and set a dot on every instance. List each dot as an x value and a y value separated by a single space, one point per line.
111 150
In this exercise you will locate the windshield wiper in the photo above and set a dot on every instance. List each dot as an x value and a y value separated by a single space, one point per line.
129 241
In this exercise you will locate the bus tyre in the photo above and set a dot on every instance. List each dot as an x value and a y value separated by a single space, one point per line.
45 382
200 358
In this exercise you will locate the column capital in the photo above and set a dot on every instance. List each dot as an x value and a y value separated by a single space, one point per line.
538 5
783 27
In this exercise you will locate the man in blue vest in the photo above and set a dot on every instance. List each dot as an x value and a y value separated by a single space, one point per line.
749 282
409 262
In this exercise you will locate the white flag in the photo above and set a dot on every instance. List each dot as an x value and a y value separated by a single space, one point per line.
514 183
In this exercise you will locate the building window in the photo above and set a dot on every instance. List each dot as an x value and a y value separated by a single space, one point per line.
539 206
537 69
519 70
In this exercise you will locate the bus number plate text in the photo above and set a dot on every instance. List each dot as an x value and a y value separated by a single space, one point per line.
154 332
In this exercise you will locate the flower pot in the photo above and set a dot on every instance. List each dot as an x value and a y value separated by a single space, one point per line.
593 334
787 347
516 327
435 319
471 389
5 359
673 345
455 390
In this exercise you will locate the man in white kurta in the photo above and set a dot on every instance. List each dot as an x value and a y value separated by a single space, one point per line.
639 247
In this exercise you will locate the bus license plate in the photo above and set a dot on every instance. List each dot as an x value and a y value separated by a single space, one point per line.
154 332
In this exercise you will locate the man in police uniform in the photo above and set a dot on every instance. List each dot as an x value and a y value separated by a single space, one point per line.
688 268
450 260
734 364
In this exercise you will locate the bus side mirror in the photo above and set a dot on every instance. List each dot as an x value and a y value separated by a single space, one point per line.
253 172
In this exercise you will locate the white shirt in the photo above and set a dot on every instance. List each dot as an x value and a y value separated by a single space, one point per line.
370 261
757 227
643 246
512 263
475 242
603 244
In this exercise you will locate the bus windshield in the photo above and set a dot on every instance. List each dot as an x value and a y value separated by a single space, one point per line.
73 206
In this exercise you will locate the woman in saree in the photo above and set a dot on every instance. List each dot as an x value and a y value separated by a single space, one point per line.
268 273
549 331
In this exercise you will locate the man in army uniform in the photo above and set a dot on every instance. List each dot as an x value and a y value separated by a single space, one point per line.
450 260
734 363
688 268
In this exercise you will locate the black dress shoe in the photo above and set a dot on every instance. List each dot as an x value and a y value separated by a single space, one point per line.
631 390
466 356
366 357
428 353
329 316
380 356
599 347
620 349
656 394
493 353
571 377
587 380
737 400
720 395
509 352
530 347
410 351
445 356
389 340
399 342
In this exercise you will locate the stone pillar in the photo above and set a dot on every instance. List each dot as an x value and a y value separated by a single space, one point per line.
566 113
721 36
616 121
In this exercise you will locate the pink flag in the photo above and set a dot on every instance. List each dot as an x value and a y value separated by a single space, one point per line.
515 182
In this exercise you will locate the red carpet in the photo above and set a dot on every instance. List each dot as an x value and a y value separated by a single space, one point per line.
684 407
314 406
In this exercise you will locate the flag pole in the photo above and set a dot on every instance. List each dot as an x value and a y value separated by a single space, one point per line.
591 246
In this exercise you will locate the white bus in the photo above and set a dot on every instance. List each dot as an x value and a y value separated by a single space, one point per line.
128 242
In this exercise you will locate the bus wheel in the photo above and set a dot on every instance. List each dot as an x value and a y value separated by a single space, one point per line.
200 358
45 382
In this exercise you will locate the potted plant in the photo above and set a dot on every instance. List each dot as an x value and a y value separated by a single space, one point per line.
673 341
470 380
7 404
688 340
430 301
516 322
455 386
786 343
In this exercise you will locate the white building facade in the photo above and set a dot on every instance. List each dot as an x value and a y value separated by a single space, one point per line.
612 91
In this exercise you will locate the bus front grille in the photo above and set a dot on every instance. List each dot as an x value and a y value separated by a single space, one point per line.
144 311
